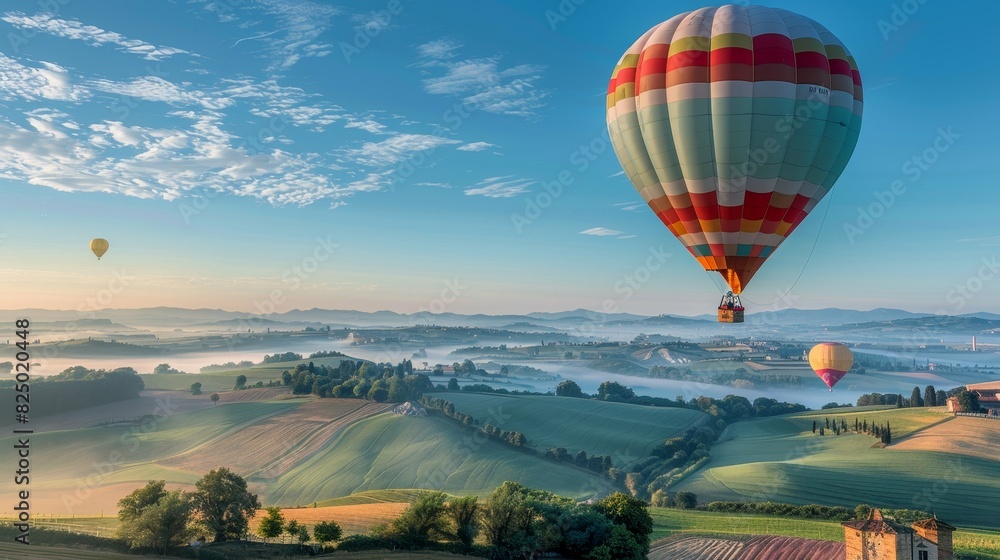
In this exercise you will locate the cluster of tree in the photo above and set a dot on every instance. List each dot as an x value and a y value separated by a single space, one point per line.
598 463
447 408
381 382
681 500
518 522
273 525
811 511
741 378
930 397
513 437
220 506
830 405
283 357
165 368
228 366
327 354
77 387
468 368
883 433
670 462
968 401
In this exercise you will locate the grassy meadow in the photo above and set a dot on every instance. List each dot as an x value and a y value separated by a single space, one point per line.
625 432
780 459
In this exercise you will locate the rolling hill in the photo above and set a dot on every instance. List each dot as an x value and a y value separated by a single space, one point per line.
780 459
626 432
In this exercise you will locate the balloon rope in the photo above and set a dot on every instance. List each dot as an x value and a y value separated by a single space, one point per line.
805 264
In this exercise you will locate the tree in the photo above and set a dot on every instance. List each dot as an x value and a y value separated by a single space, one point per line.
612 391
899 401
196 388
915 400
569 388
686 500
942 398
292 528
968 401
215 398
241 382
630 513
422 520
224 504
273 524
464 514
286 378
152 517
302 534
568 355
620 545
165 368
132 505
930 396
453 384
814 426
326 531
507 522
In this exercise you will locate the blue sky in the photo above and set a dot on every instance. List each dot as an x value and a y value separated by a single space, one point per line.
250 154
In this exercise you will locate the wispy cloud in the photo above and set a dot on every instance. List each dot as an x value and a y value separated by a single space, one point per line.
93 36
438 49
396 148
988 241
475 147
50 81
629 206
438 185
301 24
482 83
154 88
367 124
600 232
619 174
113 157
500 187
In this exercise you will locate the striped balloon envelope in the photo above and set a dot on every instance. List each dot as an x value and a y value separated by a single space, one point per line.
732 123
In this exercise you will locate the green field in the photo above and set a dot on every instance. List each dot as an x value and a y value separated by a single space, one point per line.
387 451
62 459
780 459
374 497
625 432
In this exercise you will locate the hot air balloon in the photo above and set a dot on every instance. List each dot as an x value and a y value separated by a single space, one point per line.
831 361
99 247
732 123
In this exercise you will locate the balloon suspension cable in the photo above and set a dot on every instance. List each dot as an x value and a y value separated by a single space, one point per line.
826 212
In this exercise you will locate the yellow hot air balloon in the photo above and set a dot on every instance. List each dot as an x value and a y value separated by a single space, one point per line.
831 361
99 247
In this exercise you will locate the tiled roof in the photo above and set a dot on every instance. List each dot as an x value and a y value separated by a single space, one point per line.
877 524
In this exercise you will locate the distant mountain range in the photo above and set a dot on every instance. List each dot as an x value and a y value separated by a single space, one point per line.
175 317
